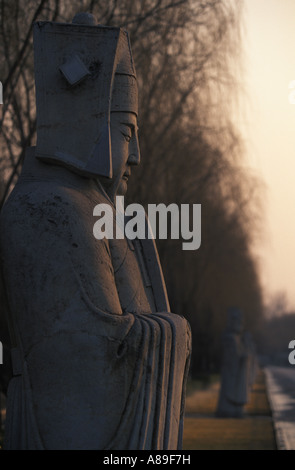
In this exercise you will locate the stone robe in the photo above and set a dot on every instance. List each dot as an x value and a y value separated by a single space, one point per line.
234 377
99 361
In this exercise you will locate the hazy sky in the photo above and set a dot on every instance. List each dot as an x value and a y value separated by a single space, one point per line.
269 50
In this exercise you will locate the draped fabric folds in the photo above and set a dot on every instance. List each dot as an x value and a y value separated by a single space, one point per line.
156 347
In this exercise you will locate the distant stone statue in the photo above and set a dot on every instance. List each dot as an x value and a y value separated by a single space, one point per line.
234 371
251 358
99 361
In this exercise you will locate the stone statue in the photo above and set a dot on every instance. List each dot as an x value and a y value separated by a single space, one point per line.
251 357
234 371
99 361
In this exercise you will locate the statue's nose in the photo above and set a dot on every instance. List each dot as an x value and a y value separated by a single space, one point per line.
134 151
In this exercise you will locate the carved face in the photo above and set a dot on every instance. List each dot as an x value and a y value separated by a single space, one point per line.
125 151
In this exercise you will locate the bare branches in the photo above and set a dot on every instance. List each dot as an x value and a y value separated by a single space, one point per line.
22 51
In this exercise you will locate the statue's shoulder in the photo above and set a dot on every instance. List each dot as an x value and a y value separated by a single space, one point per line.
230 340
55 188
42 185
51 208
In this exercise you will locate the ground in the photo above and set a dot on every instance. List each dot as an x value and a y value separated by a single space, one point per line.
203 431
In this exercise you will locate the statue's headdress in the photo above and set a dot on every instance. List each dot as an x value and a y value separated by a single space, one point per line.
83 72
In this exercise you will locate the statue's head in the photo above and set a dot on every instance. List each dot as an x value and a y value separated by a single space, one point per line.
234 320
87 99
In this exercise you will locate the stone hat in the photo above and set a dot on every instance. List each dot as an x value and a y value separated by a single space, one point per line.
83 72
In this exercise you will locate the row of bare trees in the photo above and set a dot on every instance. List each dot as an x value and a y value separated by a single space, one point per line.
186 54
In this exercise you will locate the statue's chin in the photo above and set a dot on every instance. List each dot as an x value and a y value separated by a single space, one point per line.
122 188
111 188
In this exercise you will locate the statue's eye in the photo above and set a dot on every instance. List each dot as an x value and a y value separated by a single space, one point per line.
127 137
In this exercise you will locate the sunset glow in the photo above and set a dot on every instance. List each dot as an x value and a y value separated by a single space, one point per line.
269 42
